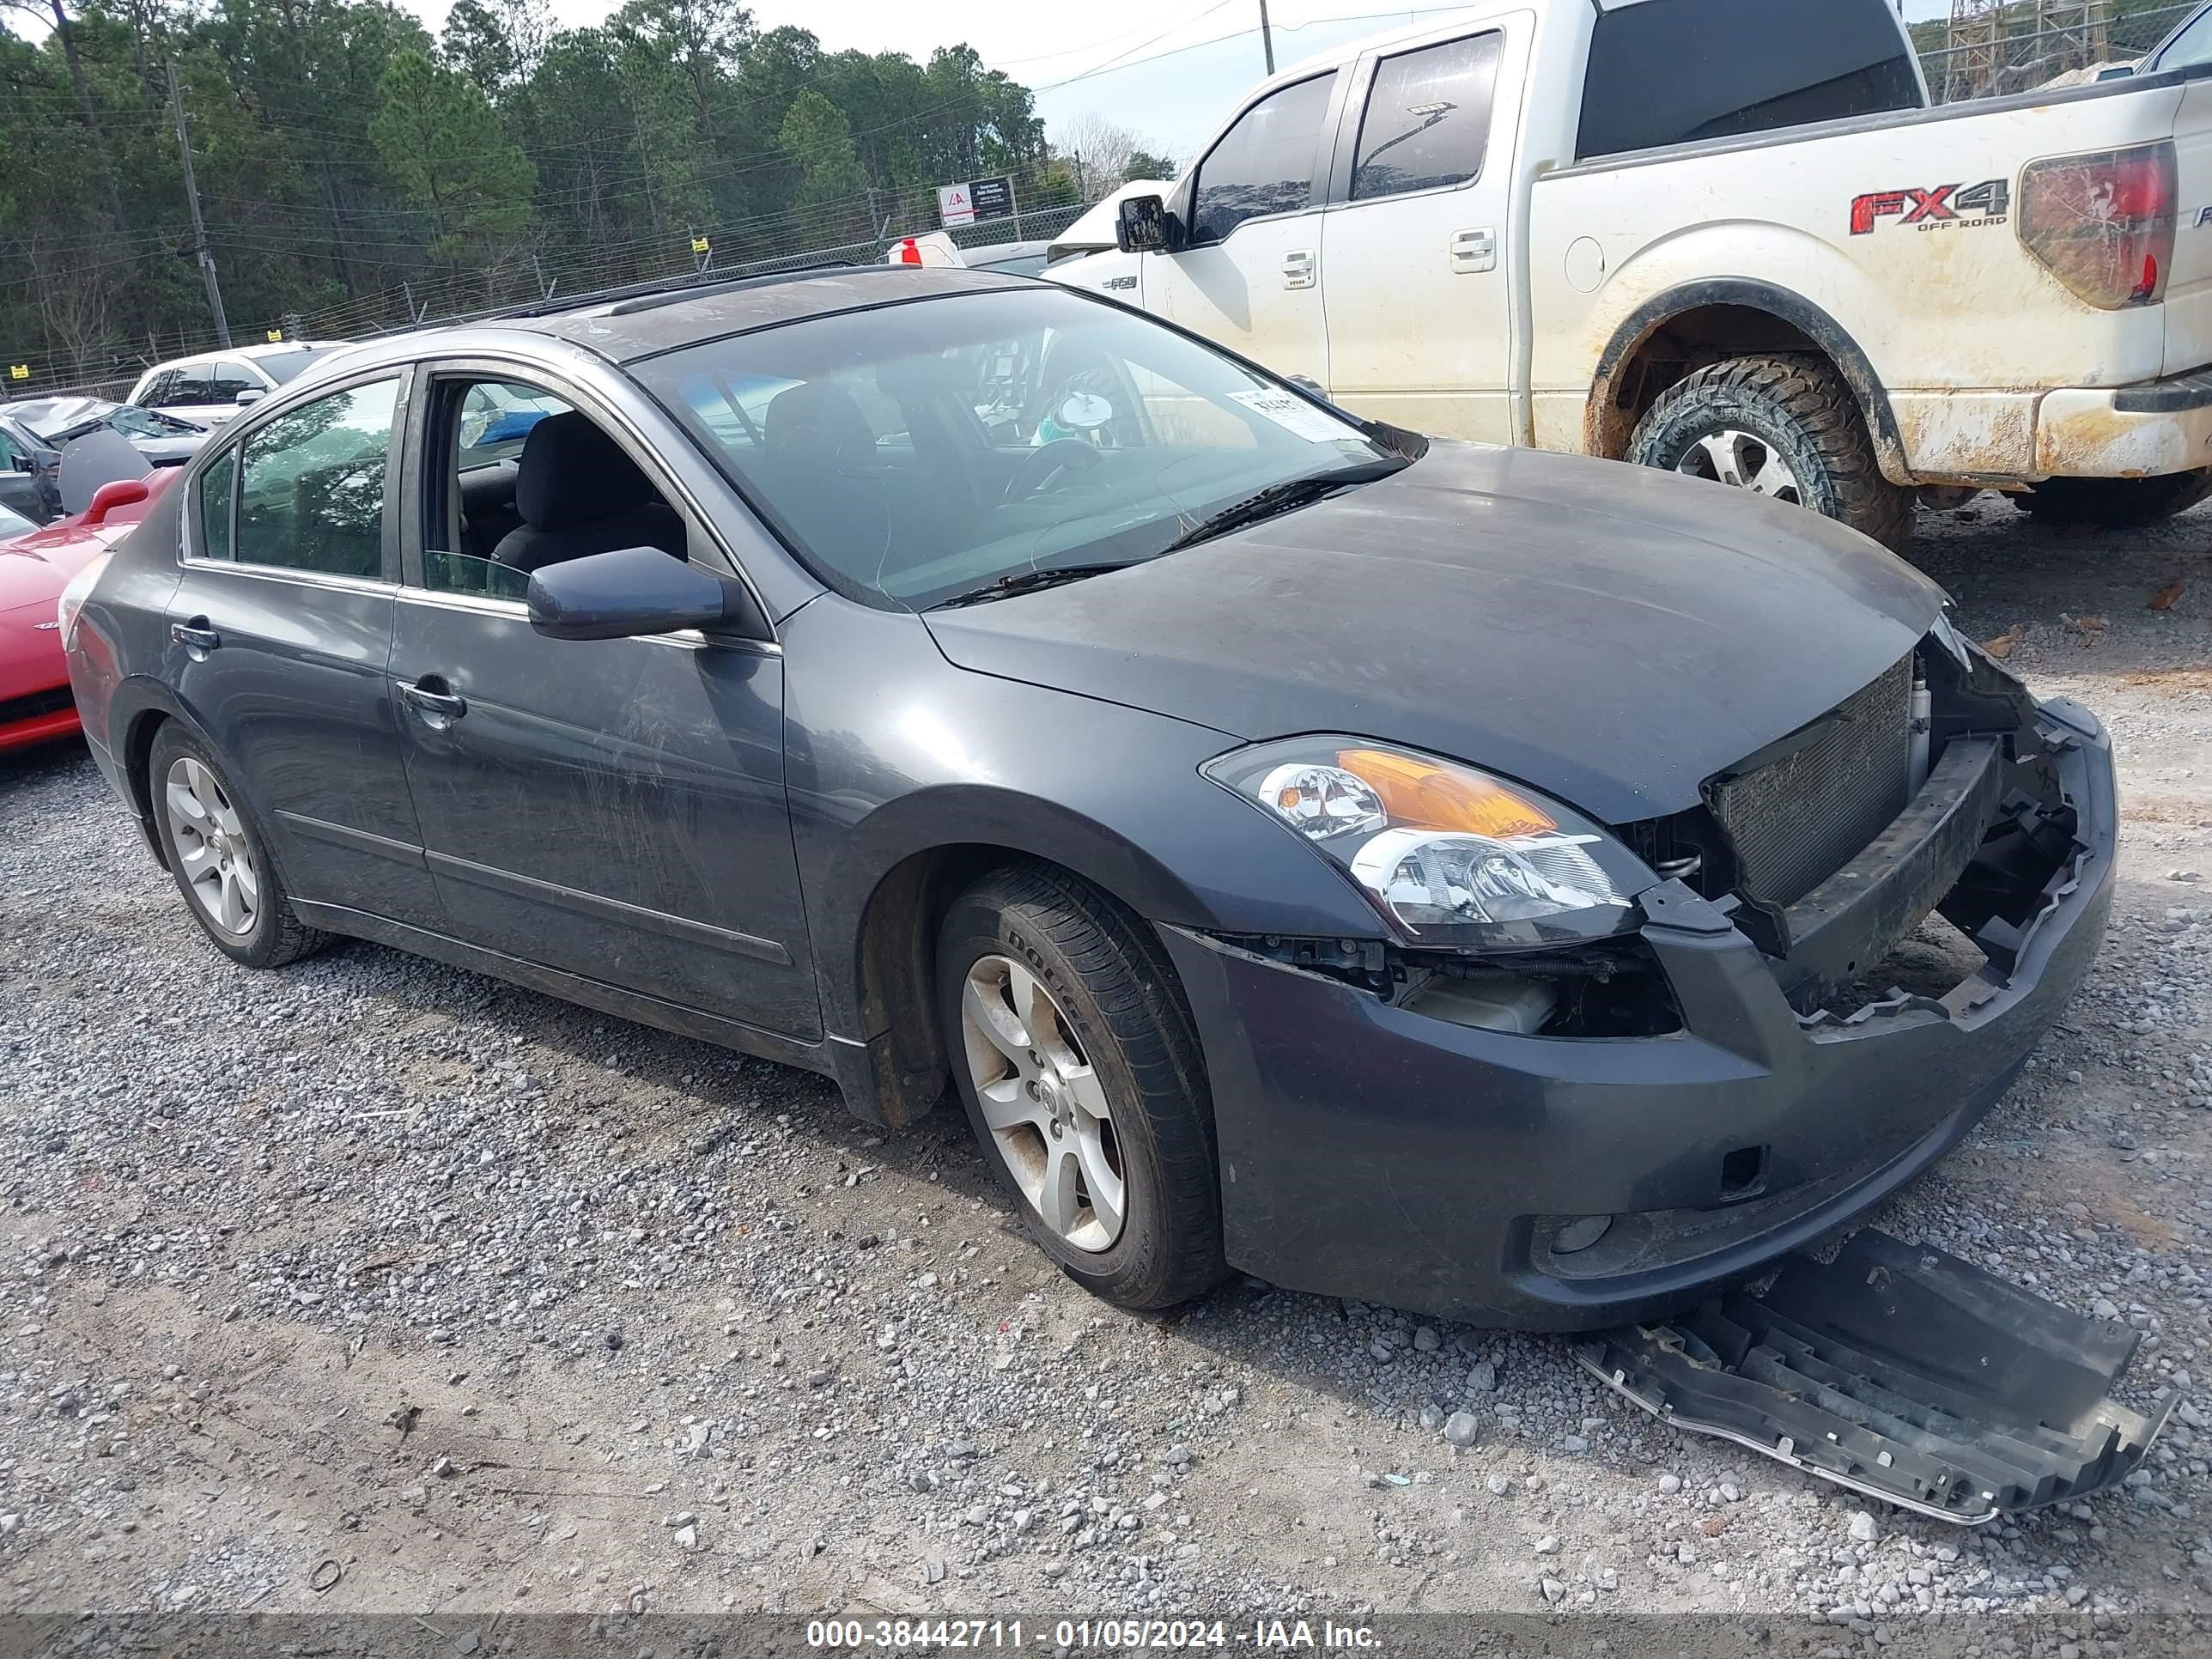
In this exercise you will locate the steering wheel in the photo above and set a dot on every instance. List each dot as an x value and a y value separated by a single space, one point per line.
1047 464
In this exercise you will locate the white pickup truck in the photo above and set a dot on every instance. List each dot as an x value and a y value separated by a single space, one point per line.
1725 236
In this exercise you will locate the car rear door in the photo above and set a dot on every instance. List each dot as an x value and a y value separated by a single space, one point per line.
1250 275
1420 324
612 809
279 632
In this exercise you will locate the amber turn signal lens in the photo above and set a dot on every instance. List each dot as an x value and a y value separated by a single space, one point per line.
1420 794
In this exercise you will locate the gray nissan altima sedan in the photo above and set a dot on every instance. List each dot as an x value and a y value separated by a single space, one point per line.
1524 888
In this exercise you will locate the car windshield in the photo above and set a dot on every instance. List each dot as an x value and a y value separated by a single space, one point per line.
917 453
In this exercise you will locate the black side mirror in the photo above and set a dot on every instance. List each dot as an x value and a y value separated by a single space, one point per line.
1143 225
634 591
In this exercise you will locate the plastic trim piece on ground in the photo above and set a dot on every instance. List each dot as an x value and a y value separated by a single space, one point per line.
1900 1372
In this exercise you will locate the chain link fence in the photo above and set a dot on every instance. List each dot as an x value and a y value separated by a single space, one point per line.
2018 48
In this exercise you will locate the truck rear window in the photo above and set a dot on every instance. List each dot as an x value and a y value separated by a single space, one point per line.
1669 71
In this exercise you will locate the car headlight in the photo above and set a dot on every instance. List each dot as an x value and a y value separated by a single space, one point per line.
1450 855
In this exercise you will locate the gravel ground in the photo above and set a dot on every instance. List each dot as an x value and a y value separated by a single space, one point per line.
475 1301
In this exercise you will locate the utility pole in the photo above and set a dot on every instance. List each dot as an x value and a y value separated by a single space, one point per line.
1266 38
199 230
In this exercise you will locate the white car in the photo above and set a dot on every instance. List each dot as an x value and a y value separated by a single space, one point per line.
209 389
1591 227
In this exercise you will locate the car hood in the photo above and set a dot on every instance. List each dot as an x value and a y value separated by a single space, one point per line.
1609 634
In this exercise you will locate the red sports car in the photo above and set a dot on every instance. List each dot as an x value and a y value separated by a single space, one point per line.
35 706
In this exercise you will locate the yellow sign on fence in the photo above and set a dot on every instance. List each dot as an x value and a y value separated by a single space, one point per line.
698 244
275 335
19 371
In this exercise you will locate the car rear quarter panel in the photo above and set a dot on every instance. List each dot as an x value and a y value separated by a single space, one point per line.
123 630
893 753
1961 326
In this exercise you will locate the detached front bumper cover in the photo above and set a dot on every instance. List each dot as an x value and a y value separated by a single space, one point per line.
1902 1373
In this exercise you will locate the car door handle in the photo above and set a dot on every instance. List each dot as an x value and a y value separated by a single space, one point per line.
438 707
196 637
1473 251
1298 268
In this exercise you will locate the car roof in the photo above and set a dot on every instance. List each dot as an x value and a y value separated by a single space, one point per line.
275 349
644 326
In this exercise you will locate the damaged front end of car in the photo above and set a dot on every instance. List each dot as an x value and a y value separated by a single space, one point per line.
1586 1100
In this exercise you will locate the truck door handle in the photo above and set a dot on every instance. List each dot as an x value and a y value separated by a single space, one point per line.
1473 251
1298 268
196 637
429 698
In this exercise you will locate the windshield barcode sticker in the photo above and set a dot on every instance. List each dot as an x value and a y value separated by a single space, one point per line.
1294 414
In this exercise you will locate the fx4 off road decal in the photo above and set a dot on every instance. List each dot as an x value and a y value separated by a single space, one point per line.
1936 208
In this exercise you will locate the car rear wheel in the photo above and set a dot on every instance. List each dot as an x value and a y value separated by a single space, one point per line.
220 859
1782 426
2116 503
1076 1058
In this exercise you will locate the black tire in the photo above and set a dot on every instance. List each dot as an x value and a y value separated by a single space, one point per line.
2116 503
1117 991
1800 408
275 936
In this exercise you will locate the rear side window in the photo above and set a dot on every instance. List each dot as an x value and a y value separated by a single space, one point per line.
1669 71
1427 120
194 388
226 380
311 483
2193 45
1263 164
218 490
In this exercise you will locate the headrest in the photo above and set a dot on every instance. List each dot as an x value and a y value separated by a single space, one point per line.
572 472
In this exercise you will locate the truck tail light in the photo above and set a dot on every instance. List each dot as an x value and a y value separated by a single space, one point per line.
2103 223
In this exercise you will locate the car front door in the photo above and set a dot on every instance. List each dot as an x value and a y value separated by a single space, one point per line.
1419 318
279 630
1249 275
612 809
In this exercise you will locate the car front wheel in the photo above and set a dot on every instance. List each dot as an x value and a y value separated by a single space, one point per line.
219 858
1077 1059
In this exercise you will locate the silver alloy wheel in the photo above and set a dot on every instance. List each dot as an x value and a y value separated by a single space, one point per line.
213 854
1044 1104
1737 458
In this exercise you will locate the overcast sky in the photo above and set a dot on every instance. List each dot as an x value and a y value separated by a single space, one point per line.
1199 53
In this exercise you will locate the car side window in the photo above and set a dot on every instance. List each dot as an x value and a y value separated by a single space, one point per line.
312 484
1427 120
10 452
2191 46
218 491
486 527
162 389
226 380
1264 163
193 386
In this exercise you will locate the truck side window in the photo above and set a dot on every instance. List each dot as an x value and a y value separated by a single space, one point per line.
1263 164
1427 120
1669 71
2193 45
